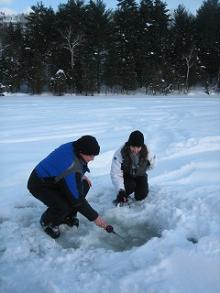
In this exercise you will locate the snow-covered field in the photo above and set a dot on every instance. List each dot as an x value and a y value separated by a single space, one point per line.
171 241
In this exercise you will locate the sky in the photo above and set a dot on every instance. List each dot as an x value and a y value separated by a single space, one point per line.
169 242
18 6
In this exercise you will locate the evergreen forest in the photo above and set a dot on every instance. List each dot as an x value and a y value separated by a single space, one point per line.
85 48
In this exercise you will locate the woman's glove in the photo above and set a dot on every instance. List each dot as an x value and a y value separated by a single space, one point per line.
122 196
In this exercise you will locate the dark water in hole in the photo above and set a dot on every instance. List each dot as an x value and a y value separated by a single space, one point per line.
130 237
127 238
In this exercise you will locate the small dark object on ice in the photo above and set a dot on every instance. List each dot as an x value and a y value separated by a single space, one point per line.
110 229
193 240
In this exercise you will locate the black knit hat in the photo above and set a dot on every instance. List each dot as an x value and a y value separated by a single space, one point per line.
87 145
136 138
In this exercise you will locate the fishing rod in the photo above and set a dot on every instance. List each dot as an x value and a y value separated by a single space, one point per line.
110 229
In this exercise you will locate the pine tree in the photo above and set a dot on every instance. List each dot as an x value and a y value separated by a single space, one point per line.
58 83
158 47
184 50
11 57
39 41
208 39
96 39
145 41
126 26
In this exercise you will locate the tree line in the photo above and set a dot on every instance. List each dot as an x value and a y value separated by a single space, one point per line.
86 48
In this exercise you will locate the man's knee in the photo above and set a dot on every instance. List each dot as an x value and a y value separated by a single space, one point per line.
66 209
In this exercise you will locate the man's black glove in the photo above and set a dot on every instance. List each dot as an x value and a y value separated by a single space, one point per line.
122 196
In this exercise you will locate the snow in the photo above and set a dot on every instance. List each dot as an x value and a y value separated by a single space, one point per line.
60 71
170 242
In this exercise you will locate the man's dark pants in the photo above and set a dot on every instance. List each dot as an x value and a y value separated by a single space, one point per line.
59 206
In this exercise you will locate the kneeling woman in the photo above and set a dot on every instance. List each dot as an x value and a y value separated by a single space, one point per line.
129 169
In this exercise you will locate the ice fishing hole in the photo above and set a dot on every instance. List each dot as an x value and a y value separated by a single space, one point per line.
129 236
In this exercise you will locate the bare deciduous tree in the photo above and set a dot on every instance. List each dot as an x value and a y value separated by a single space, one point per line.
217 85
189 63
71 41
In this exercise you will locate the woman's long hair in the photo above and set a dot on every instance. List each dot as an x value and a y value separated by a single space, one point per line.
125 152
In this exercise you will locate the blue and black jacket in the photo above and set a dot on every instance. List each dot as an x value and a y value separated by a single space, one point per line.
63 169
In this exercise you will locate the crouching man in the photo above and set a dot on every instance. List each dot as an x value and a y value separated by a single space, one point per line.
59 182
